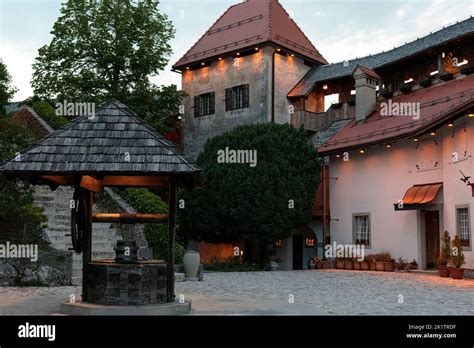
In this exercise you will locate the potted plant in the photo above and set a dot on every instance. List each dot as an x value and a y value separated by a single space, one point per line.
401 264
444 255
326 264
388 262
274 263
413 265
456 259
357 264
340 263
311 263
406 87
318 262
386 92
446 76
348 264
426 81
365 265
371 261
379 262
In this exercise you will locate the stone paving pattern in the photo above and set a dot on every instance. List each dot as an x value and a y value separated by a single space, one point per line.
328 292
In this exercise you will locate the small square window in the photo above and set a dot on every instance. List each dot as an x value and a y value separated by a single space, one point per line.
237 97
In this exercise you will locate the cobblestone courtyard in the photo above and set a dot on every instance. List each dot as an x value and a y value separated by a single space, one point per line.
329 292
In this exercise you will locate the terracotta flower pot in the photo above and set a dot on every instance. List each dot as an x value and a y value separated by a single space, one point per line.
443 271
340 264
373 266
379 266
357 265
401 266
457 273
319 265
389 266
365 265
326 264
348 265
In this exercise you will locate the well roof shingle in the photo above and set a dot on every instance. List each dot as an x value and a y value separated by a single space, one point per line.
114 141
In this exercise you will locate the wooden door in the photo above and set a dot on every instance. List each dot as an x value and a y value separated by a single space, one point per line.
432 238
297 252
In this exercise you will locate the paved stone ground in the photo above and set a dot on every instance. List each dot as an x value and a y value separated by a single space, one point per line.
328 292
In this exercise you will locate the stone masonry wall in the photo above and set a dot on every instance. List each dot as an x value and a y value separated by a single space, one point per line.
255 70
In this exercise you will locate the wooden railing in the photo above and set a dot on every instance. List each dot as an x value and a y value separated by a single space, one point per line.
321 121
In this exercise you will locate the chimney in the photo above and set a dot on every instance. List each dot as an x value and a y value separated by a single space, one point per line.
366 96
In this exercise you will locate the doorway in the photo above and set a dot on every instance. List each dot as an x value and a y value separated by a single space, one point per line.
432 238
297 252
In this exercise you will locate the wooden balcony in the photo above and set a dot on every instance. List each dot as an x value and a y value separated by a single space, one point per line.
321 121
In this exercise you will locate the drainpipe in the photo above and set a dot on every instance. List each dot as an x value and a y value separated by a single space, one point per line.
325 207
273 85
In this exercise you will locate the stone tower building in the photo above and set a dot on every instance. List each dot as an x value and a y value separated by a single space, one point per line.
241 70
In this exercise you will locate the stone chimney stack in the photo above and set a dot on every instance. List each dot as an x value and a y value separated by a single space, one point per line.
366 96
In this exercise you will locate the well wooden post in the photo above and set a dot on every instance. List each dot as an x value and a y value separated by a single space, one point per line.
87 252
171 240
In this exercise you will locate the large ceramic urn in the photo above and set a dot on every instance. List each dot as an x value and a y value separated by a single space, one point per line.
191 261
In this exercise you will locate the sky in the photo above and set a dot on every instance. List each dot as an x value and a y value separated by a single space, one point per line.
340 29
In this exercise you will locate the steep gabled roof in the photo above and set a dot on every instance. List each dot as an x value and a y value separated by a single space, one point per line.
339 70
437 104
113 142
249 24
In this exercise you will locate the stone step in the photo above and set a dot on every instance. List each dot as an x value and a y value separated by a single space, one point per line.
44 198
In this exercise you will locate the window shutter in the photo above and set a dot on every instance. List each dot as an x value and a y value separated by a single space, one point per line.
212 103
196 106
246 98
228 99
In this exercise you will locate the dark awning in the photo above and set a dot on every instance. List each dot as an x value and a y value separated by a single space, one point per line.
418 196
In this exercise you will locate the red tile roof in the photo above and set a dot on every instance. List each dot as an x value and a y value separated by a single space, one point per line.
437 103
249 24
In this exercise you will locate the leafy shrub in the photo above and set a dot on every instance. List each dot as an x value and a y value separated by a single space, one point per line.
47 113
230 265
144 201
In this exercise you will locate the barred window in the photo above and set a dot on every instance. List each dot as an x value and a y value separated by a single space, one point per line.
237 97
204 104
361 227
464 228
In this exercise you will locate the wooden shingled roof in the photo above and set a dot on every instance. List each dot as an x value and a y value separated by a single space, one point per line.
115 141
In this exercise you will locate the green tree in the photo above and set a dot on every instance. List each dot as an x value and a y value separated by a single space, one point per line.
20 220
259 204
7 90
108 49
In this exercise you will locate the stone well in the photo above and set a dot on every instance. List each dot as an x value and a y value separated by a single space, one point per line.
135 284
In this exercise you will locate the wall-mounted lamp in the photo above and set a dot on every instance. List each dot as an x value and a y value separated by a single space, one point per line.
309 242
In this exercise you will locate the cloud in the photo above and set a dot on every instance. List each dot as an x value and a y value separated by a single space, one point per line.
19 56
